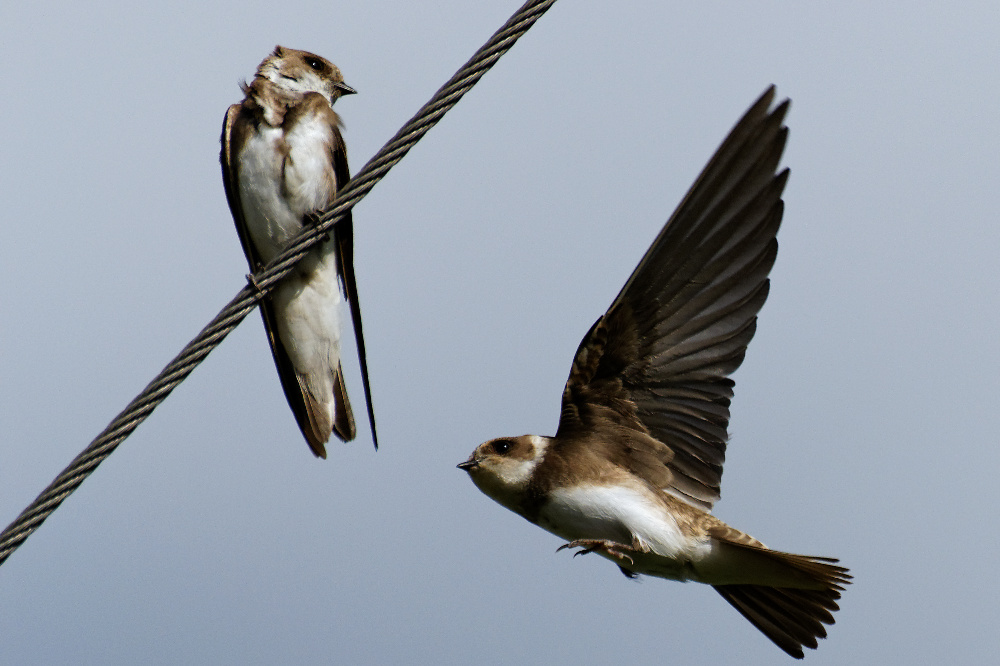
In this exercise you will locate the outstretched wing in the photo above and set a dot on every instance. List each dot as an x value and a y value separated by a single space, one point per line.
655 368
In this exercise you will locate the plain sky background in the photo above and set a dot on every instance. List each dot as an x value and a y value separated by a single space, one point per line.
863 423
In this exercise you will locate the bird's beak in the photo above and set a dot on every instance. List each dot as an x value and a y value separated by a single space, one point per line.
468 464
345 89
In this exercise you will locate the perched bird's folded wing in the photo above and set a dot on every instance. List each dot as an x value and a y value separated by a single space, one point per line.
234 130
656 366
344 235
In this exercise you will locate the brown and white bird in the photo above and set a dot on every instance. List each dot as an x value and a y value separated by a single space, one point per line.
635 466
283 160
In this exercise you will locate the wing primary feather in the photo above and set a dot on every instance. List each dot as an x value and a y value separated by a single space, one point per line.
709 183
344 234
345 247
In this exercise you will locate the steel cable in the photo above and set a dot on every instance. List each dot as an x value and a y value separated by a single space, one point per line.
262 282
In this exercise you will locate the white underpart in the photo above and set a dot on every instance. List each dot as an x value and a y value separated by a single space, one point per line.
307 302
624 514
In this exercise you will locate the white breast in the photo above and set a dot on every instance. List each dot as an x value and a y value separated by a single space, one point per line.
309 181
270 219
282 177
616 512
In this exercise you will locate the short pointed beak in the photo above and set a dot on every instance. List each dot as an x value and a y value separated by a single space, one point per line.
345 89
467 465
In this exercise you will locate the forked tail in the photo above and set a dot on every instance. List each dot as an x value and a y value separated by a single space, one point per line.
792 617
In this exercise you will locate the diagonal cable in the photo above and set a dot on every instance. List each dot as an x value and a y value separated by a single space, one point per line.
246 300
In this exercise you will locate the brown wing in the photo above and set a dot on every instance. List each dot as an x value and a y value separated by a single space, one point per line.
344 234
656 366
234 131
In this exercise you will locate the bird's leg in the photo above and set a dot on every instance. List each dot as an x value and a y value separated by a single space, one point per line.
613 548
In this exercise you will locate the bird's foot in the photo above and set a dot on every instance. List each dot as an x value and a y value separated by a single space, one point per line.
313 220
252 281
613 548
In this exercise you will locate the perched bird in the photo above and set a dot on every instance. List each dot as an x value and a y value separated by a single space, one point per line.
283 160
635 466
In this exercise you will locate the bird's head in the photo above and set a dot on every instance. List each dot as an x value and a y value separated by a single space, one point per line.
302 72
502 468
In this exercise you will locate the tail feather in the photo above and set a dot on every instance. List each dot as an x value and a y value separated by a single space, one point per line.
816 604
317 422
789 627
791 596
792 617
343 416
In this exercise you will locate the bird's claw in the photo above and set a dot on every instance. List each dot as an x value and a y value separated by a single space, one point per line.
252 281
612 548
313 220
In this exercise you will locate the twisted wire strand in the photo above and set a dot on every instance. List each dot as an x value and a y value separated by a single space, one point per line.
262 282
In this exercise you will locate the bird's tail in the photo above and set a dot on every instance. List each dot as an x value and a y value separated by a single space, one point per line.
319 417
792 617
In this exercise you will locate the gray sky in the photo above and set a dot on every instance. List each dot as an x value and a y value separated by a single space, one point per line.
862 419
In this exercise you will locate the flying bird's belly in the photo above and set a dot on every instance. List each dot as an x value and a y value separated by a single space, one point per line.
655 543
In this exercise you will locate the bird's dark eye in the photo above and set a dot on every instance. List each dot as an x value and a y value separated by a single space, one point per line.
314 63
502 446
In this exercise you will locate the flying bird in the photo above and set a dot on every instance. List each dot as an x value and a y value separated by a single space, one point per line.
635 466
283 160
